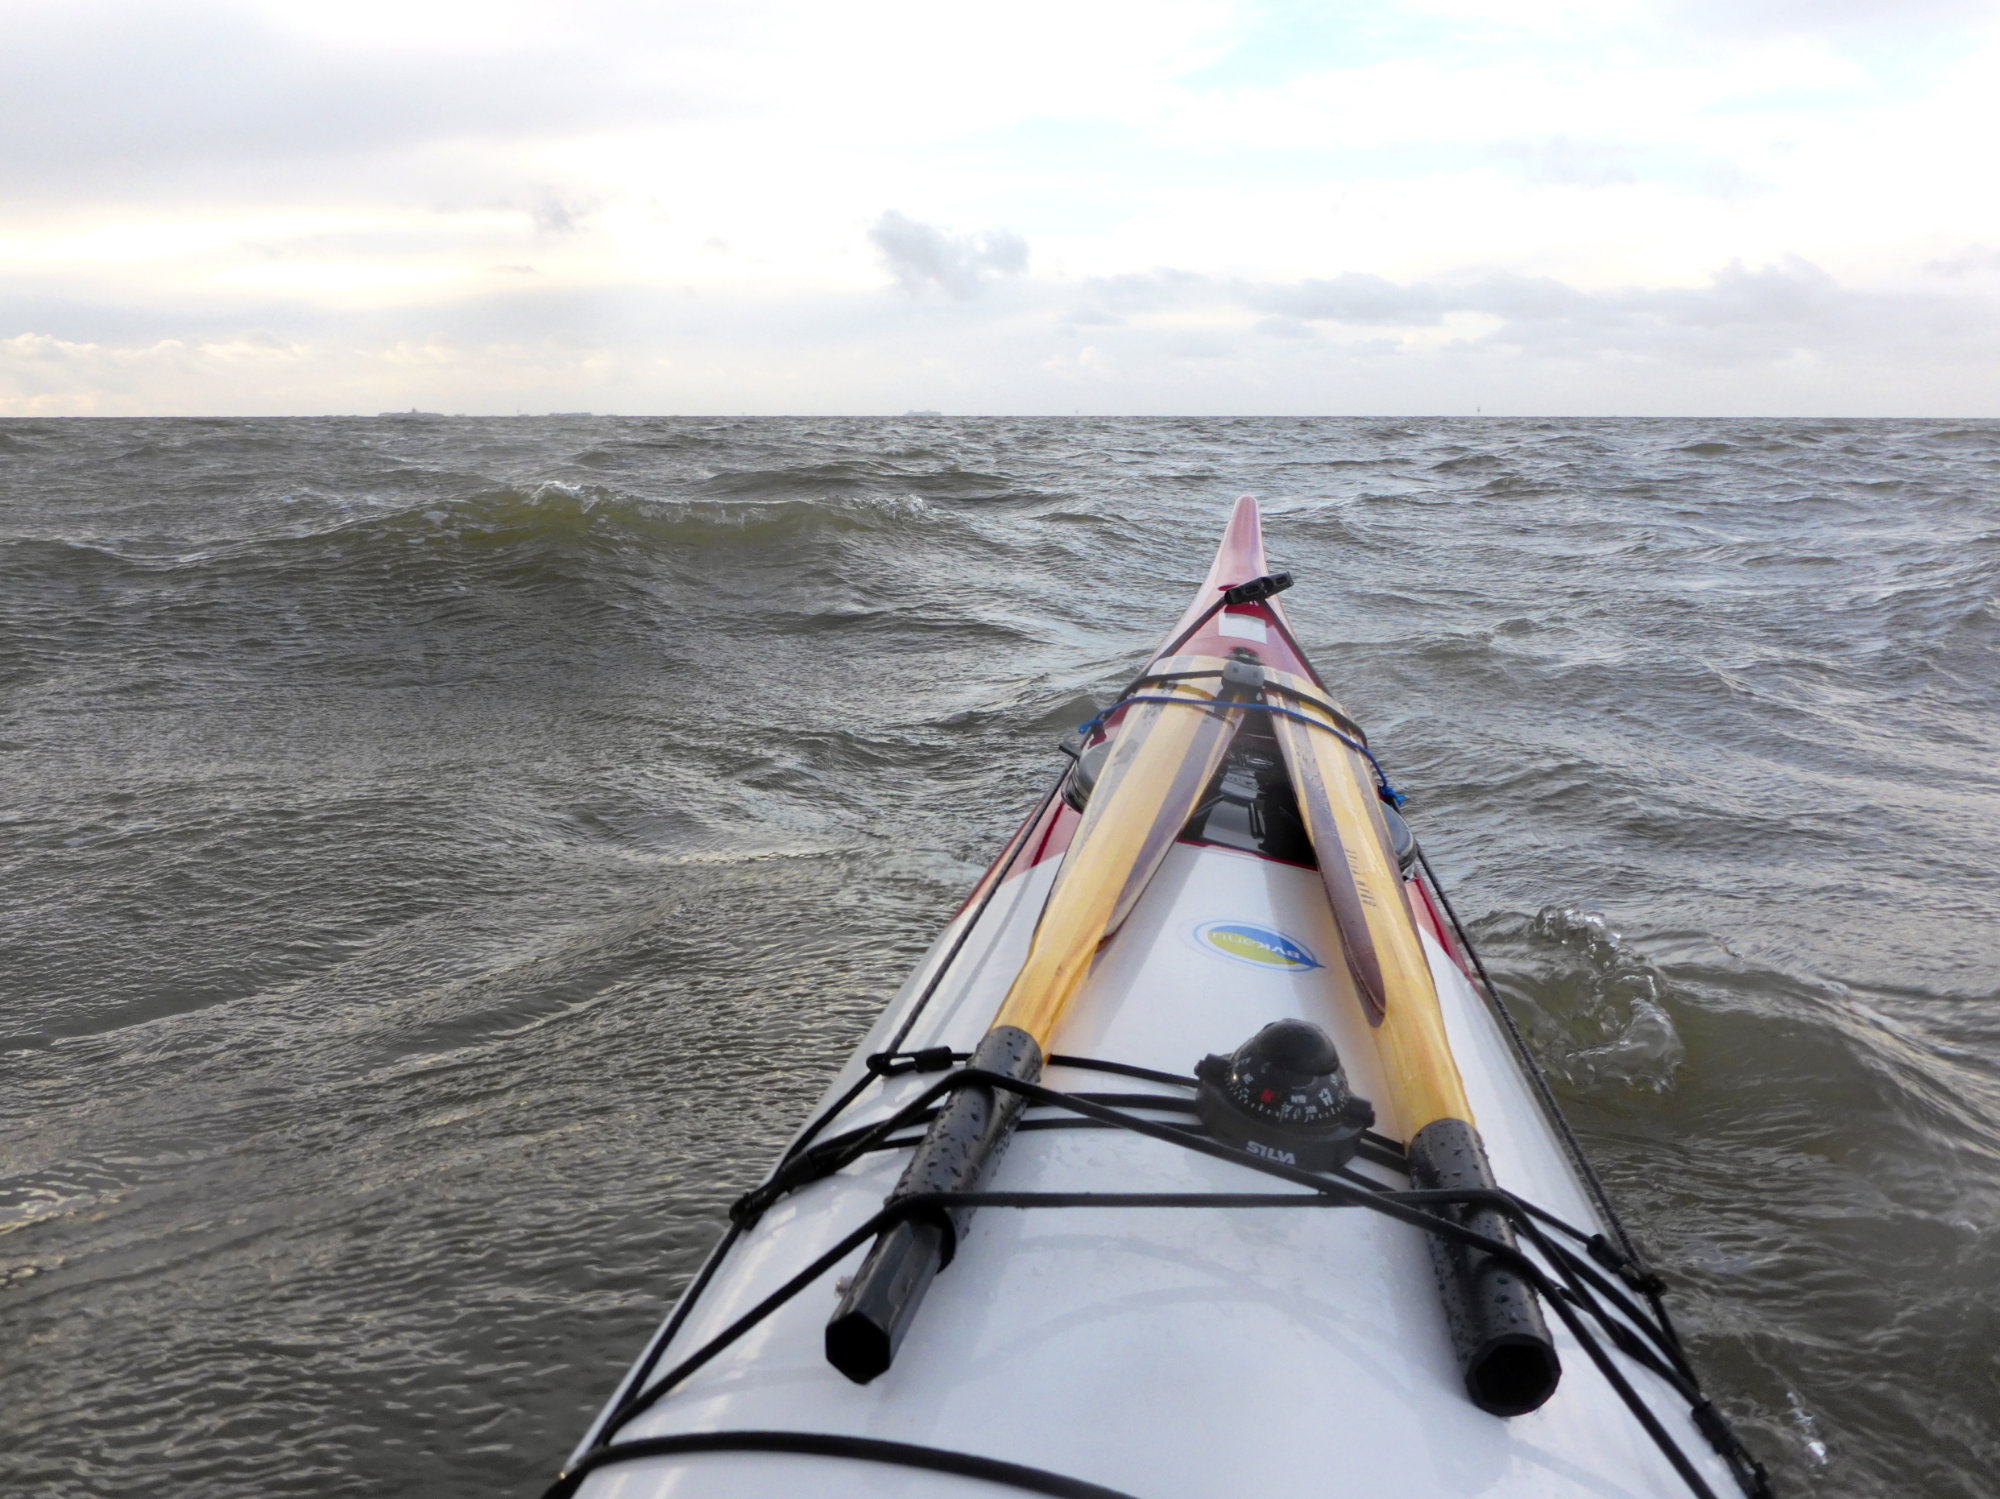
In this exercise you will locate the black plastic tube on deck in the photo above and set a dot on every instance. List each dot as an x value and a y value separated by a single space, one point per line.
1496 1323
958 1151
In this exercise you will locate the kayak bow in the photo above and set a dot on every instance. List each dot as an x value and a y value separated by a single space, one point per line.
1213 1276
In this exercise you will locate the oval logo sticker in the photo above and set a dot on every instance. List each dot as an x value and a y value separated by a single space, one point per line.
1258 945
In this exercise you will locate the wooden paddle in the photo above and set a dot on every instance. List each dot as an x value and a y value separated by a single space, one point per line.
1161 761
1496 1324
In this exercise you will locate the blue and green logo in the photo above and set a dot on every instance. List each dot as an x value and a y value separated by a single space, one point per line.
1258 945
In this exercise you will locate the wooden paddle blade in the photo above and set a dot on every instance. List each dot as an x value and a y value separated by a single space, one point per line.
1336 873
1337 799
1160 763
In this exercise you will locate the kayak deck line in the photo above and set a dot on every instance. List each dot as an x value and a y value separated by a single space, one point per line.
1343 727
864 1449
1578 1288
1389 792
1152 791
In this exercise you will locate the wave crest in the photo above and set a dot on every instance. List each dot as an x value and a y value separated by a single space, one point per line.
1595 1004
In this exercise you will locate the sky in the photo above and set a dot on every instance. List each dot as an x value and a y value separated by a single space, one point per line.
1631 207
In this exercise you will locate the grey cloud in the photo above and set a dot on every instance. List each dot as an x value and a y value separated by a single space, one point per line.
1743 316
115 95
922 255
1790 295
1973 260
554 214
1776 339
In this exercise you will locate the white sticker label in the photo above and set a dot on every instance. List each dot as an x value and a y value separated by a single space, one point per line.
1242 626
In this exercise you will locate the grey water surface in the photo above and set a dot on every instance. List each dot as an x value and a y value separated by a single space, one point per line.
442 860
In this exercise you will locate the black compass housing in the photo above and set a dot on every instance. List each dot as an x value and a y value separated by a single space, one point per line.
1283 1095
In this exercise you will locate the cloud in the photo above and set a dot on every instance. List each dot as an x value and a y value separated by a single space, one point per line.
111 95
1743 318
1782 338
1973 260
554 214
1562 162
1352 298
1231 206
921 255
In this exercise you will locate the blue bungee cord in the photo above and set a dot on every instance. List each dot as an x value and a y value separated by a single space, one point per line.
1387 792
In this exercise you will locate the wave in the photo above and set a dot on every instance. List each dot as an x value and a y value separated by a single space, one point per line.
852 479
593 514
550 516
1595 1004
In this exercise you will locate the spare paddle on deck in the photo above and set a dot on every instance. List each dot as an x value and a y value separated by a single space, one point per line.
1160 763
1496 1324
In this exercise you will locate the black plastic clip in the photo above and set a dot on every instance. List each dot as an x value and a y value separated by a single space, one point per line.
1644 1281
895 1063
1242 678
1257 589
1709 1421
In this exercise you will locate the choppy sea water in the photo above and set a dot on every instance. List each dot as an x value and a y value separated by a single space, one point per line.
441 860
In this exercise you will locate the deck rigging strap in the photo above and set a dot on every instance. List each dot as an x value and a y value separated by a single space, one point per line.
1251 591
1576 1291
1342 721
1389 793
828 1444
1256 590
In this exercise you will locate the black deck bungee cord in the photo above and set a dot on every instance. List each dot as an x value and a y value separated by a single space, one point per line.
866 1449
1094 1107
1327 705
1389 793
1572 1299
1375 1148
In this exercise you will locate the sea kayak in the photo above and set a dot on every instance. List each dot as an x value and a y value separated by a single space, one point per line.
1196 1157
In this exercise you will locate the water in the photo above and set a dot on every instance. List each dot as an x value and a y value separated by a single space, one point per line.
443 859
